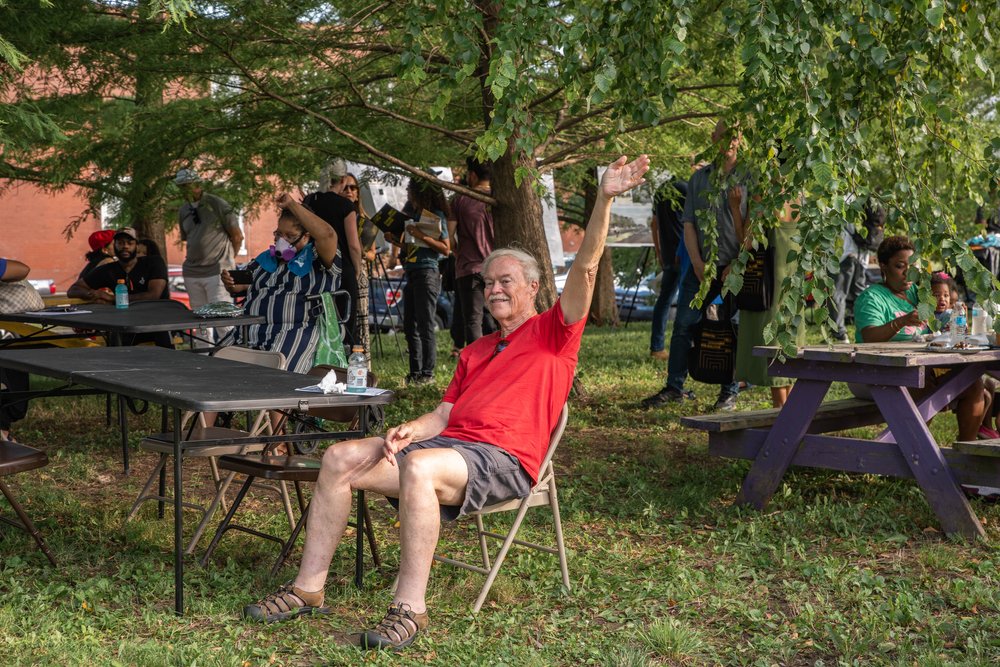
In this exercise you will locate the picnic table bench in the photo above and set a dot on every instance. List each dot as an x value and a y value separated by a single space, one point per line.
798 433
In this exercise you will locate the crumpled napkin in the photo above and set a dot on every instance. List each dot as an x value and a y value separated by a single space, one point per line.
330 385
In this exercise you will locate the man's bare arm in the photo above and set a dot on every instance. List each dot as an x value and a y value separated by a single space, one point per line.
691 243
579 290
15 271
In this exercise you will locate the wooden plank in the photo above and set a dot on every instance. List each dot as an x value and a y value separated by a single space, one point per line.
809 369
978 447
856 455
737 421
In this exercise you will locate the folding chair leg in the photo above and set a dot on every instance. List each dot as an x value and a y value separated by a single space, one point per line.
557 522
501 555
213 464
370 532
143 495
287 502
162 490
26 524
290 544
224 526
483 548
217 501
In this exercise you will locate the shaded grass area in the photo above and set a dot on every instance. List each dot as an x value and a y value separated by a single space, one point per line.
842 569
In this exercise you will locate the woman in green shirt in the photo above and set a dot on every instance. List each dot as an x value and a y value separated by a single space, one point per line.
888 312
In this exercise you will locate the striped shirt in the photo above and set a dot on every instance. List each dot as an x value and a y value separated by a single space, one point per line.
292 324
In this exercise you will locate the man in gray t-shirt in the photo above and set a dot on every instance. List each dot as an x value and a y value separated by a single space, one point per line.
700 211
211 233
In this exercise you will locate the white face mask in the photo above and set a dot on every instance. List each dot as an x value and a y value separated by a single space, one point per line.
282 249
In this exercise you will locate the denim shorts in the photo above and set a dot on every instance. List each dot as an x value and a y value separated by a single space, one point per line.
494 474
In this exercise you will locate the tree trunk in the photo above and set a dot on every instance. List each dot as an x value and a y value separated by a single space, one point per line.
517 220
603 307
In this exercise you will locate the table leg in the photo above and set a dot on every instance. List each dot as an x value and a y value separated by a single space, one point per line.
178 519
951 385
782 442
123 429
359 558
924 457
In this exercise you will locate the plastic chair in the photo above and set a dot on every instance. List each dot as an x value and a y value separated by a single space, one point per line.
163 444
296 469
543 493
15 458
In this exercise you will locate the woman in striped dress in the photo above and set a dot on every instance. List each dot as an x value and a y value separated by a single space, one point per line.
302 263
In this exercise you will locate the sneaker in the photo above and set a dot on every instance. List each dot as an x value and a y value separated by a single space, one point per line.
986 433
397 629
659 355
666 395
726 403
842 338
287 602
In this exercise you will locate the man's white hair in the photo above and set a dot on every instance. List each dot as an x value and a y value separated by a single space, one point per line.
529 265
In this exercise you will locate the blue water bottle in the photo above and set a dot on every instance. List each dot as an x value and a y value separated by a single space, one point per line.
121 295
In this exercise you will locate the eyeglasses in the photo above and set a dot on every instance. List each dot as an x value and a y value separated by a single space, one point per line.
501 346
350 188
278 235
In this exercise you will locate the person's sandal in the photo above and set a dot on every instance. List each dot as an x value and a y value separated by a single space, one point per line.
287 602
397 629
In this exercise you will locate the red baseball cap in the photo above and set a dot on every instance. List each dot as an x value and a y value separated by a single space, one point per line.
101 238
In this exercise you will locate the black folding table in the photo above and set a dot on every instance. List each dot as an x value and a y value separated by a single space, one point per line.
184 381
114 324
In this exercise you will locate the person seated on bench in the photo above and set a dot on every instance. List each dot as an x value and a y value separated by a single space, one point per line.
12 270
482 444
303 263
888 312
145 278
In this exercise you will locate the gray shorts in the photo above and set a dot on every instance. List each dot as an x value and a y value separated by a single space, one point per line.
494 474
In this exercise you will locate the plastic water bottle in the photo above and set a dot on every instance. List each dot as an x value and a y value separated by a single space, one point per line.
959 322
977 321
121 295
357 371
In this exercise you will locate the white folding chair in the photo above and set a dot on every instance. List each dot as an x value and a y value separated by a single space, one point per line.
543 493
162 444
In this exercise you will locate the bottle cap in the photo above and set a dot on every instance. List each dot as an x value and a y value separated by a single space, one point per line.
358 348
121 281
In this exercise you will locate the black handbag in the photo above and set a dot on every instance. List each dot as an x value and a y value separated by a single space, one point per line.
712 357
757 293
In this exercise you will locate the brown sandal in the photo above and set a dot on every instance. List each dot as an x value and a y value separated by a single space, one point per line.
397 629
287 602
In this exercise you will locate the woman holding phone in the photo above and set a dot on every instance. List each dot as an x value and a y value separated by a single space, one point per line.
302 263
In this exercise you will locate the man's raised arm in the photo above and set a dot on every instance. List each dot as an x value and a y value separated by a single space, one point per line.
579 290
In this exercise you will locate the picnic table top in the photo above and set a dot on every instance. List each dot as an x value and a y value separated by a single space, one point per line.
139 317
903 354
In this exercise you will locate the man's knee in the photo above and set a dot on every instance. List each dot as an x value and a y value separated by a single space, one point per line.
345 457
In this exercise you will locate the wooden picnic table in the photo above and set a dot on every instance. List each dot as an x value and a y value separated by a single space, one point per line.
797 433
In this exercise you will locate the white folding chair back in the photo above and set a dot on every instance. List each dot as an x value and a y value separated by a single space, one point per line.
162 444
543 493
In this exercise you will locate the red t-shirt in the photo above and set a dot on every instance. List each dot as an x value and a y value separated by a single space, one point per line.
514 400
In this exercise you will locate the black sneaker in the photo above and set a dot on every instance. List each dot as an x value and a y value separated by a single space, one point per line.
666 395
726 403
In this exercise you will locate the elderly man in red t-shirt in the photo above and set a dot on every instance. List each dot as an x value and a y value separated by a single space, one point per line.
482 444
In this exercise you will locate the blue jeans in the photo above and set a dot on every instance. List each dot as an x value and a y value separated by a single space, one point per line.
680 340
420 297
668 292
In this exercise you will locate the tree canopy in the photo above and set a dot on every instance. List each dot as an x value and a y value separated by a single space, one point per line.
837 101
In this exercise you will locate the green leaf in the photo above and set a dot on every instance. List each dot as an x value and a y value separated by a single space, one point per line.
879 54
935 13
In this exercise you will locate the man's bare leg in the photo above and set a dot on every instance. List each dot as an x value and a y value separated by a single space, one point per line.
428 479
346 466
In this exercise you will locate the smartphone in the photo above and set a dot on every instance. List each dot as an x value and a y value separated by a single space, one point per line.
241 276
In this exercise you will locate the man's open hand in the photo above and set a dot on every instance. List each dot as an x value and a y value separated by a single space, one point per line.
621 177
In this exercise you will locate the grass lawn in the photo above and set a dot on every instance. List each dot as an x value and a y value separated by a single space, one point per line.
840 569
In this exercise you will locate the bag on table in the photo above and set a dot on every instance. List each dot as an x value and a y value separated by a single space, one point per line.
19 296
757 293
712 357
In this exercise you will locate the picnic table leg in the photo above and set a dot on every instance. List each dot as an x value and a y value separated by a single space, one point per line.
926 462
782 442
951 385
178 520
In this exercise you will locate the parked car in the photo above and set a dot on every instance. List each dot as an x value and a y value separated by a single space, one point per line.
385 304
45 286
634 303
175 280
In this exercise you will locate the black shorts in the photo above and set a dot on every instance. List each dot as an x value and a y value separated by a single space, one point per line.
494 474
